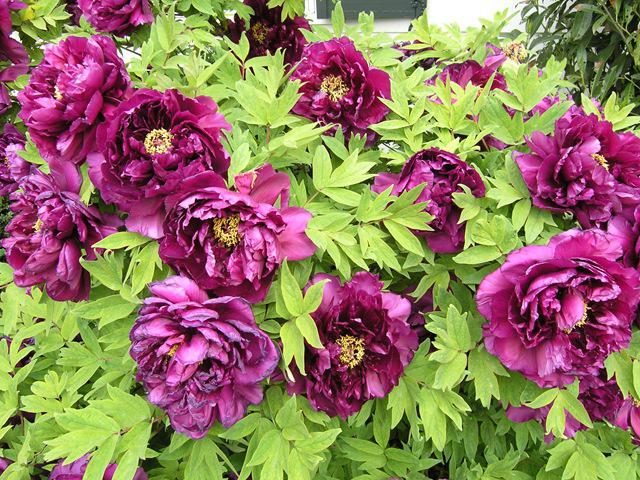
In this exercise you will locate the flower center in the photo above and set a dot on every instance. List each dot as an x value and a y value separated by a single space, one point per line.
173 350
580 323
158 141
334 86
225 231
37 226
601 160
516 52
259 32
351 350
57 94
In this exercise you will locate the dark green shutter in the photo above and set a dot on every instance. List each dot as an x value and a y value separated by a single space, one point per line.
381 8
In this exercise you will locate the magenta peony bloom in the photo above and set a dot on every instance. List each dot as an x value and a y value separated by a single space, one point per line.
119 17
472 72
584 168
75 470
564 174
232 242
267 32
621 153
628 417
73 9
6 6
339 87
4 464
79 81
200 359
626 228
5 99
151 143
50 232
367 345
601 398
443 173
11 52
13 167
557 311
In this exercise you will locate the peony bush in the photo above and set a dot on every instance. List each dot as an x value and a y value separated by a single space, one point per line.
243 246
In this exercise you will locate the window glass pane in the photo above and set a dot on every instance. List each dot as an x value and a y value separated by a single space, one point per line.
381 8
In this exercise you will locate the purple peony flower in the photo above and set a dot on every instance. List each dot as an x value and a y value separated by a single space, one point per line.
73 9
339 87
601 398
151 143
564 173
628 417
232 242
584 168
4 464
13 167
119 17
367 345
79 81
5 99
267 32
471 72
75 470
12 52
621 153
626 228
50 232
6 6
557 311
200 359
443 173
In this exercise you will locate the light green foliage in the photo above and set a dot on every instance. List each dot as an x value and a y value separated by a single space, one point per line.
77 392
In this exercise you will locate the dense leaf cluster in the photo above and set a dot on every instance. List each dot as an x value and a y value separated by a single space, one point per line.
71 390
597 37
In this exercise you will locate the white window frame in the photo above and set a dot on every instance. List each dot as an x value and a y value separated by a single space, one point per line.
387 25
311 10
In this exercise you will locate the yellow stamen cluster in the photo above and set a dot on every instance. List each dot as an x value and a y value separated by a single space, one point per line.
173 350
351 350
37 226
259 32
57 94
334 86
516 52
158 141
601 160
225 231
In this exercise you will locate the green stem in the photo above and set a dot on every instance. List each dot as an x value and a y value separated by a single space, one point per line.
621 30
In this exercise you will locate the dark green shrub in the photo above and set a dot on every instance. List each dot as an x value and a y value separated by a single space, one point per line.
599 39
